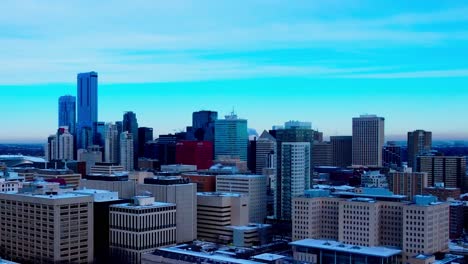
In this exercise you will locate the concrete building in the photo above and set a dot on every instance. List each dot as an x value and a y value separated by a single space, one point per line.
323 252
374 179
72 179
231 137
295 175
368 140
140 227
87 108
265 153
127 151
102 200
178 168
442 193
419 142
7 185
91 156
254 186
450 170
342 151
115 182
407 183
180 192
47 227
66 149
216 212
205 182
107 168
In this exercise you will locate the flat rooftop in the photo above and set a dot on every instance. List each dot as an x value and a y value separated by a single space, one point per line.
347 248
220 194
134 206
65 195
268 257
216 257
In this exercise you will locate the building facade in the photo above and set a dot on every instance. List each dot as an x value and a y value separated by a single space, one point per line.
419 142
341 151
67 112
199 153
130 125
407 183
231 137
87 108
368 140
449 170
127 150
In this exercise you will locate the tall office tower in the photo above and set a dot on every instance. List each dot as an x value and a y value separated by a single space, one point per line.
140 227
181 192
65 144
450 170
295 175
426 225
111 144
87 84
218 212
231 137
203 127
145 134
127 151
130 124
46 227
266 153
342 151
163 149
51 148
322 154
252 154
199 153
419 142
67 112
407 183
392 155
253 186
368 140
288 135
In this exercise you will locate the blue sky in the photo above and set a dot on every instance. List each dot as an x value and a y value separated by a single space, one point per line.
318 61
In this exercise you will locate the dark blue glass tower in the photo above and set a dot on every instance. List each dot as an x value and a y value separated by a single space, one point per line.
67 112
87 90
130 124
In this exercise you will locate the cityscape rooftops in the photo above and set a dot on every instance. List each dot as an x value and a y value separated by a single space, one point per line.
99 195
268 257
347 248
220 194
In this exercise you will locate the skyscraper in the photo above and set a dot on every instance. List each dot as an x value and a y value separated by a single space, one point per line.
202 126
67 112
342 151
450 170
145 134
419 141
295 175
231 137
130 124
87 84
126 151
266 153
65 144
112 144
368 140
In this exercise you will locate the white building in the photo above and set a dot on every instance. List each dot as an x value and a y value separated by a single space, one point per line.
368 140
126 150
295 171
374 179
140 227
65 145
254 186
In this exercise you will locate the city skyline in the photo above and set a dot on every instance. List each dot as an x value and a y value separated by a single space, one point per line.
323 62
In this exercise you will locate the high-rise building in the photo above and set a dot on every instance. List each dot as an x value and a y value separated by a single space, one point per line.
322 153
254 186
407 183
127 150
217 212
266 153
450 170
87 105
231 137
100 133
67 112
203 127
65 144
295 175
91 156
368 140
183 194
199 153
51 148
145 134
140 227
342 154
392 155
111 144
130 125
46 227
419 142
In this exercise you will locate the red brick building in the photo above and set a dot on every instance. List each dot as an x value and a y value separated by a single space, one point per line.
198 153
